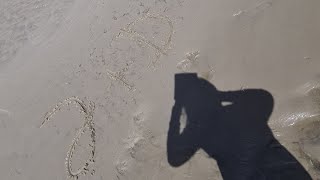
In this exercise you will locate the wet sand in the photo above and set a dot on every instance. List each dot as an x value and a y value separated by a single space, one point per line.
122 56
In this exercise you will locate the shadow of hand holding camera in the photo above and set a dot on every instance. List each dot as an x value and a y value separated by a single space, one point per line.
230 127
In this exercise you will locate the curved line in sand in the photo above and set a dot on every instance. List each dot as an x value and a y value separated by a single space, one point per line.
88 124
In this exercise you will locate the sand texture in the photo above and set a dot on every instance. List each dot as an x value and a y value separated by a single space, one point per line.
87 87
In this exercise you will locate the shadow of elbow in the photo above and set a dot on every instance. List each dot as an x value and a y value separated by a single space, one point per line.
174 162
176 159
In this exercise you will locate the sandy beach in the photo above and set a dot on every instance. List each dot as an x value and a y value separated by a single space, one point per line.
87 87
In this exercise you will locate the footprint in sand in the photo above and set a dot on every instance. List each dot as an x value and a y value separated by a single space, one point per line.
191 63
144 156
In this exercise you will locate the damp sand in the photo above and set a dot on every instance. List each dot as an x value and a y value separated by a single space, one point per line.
122 57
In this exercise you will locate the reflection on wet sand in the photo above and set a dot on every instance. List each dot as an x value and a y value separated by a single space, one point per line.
300 123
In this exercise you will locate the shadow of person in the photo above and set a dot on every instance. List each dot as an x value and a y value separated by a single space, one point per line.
230 127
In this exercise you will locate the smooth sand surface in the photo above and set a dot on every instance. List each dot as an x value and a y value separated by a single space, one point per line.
122 56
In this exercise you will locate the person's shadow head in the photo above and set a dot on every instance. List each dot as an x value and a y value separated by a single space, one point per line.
231 127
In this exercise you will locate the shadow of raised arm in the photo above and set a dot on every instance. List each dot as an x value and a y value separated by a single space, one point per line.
235 134
179 145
